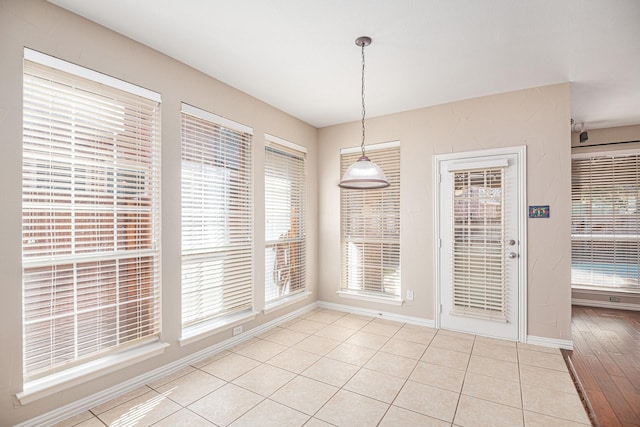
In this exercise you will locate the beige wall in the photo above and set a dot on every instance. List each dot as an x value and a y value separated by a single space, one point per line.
51 30
538 118
608 136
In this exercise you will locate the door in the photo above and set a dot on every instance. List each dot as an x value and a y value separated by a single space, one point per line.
479 208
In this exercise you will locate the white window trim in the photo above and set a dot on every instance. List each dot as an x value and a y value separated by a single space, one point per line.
600 290
607 153
55 383
219 120
371 147
68 67
285 143
299 294
362 294
286 301
64 377
580 155
485 164
215 326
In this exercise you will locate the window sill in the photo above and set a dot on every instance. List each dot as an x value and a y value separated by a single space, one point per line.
284 302
206 329
599 290
370 297
55 383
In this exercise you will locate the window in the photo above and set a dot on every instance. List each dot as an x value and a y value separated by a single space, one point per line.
217 221
477 239
605 221
370 227
285 250
90 215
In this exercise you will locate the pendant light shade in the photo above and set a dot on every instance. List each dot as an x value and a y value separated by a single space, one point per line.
363 174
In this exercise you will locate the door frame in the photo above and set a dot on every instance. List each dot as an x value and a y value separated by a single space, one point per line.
521 153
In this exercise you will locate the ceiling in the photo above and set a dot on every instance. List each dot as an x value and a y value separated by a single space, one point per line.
300 55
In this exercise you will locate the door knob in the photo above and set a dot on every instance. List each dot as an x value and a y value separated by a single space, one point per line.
512 255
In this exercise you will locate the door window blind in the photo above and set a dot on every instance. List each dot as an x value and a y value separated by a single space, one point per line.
605 221
90 217
478 270
217 221
285 210
370 227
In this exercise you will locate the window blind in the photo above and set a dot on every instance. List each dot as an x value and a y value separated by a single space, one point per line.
478 270
217 219
285 210
370 227
90 219
605 222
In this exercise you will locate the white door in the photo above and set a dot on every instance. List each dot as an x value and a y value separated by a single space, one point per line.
479 243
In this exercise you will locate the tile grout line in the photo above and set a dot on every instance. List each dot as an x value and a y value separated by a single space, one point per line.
466 371
360 368
296 375
406 380
338 388
524 421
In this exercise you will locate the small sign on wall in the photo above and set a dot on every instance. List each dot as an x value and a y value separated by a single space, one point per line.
539 211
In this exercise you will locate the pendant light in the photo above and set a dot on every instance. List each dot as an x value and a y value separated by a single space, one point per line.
363 174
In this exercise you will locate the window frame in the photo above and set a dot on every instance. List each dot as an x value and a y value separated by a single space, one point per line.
242 251
79 191
292 158
584 238
387 200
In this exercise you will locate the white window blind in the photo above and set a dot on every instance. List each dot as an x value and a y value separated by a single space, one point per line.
217 222
370 227
478 270
285 209
605 221
90 218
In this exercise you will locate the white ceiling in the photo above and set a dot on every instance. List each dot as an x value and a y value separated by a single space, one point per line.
300 55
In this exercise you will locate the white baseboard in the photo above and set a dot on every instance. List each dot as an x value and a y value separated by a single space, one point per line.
605 304
74 408
550 342
376 313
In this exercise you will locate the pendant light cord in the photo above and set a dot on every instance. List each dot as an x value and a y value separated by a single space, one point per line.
363 174
363 108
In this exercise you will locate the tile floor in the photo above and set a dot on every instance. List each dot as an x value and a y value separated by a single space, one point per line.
331 368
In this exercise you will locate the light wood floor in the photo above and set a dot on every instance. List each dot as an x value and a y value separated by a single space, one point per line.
606 358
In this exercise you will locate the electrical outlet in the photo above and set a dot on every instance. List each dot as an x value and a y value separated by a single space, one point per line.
237 330
409 294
